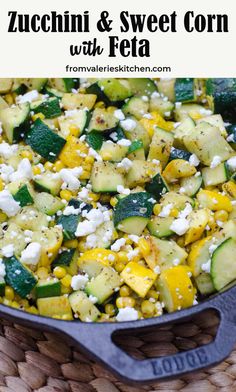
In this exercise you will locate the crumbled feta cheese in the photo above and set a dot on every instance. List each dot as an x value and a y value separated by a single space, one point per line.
128 124
123 191
151 200
230 138
91 241
124 142
179 226
79 281
6 171
111 257
31 254
186 211
70 177
206 267
71 210
28 97
94 218
155 94
215 161
127 314
126 164
178 105
84 194
24 170
232 163
93 299
205 112
166 210
70 113
114 136
132 253
148 116
134 238
7 150
157 269
93 153
212 248
118 244
119 114
176 261
8 250
2 269
8 203
193 160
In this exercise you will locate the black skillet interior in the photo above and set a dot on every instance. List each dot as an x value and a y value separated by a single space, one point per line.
96 340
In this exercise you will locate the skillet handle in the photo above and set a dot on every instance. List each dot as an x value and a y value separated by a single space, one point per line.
98 341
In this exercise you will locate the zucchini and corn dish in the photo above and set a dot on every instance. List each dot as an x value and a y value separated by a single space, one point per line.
117 196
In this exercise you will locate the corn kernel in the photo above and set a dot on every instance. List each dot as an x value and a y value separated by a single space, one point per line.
221 215
100 105
71 244
48 165
1 184
147 308
9 99
24 303
113 201
174 212
66 317
7 302
38 115
115 235
15 305
105 198
157 209
144 247
212 223
180 241
27 154
58 166
3 217
122 256
33 310
89 160
124 291
110 309
85 175
74 130
66 281
150 172
65 290
94 196
119 266
66 195
153 294
42 272
81 246
9 293
128 241
123 302
106 156
94 204
36 170
59 272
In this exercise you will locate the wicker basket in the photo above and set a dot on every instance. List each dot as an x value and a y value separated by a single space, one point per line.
34 361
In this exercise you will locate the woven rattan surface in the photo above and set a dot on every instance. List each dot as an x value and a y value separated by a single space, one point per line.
34 361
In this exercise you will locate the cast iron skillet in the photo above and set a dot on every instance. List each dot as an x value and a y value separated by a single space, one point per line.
95 339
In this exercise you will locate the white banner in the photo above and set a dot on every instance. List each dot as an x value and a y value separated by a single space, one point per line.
160 39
